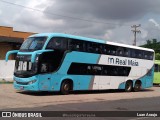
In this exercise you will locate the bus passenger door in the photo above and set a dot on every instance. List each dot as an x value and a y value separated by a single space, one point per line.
49 62
45 69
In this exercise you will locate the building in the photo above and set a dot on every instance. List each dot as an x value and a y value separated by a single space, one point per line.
11 40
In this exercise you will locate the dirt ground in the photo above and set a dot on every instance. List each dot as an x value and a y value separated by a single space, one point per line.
11 98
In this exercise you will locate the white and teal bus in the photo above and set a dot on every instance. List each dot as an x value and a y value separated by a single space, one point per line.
62 62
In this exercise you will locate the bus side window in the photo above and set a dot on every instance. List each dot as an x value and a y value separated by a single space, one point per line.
89 47
96 48
50 44
96 70
115 71
104 49
82 69
111 50
105 71
139 54
107 50
133 54
120 51
126 52
76 45
101 48
150 56
54 43
89 69
83 46
58 43
79 45
72 44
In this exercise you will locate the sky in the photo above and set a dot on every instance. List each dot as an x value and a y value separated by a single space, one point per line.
110 20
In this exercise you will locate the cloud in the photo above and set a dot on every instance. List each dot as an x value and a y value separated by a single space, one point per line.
144 33
149 30
39 4
108 34
120 14
105 9
155 23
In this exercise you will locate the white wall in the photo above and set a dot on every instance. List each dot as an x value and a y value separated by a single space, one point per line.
6 70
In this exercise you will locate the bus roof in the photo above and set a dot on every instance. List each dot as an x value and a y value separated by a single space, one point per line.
68 36
157 62
88 39
129 46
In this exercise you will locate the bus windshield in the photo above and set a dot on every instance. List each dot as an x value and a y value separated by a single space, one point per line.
33 43
24 67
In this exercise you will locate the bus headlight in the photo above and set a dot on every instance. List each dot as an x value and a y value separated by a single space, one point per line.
31 82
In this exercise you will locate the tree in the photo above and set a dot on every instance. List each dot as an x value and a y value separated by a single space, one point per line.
154 41
157 56
149 42
153 44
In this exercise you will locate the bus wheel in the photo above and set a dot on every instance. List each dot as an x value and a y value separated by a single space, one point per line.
65 87
137 86
128 86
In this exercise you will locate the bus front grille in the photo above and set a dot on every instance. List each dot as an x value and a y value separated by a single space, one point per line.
22 83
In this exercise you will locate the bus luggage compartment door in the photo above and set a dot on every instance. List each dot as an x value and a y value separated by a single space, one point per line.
45 82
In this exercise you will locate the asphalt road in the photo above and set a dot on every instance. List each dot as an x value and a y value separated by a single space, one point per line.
141 104
108 100
10 98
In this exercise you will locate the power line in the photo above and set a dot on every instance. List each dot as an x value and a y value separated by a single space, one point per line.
70 17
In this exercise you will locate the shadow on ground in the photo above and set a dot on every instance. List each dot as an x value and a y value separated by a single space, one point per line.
45 93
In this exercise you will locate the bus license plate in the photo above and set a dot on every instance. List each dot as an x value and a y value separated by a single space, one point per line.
21 88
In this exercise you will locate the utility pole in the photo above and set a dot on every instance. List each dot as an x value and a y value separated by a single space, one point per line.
135 31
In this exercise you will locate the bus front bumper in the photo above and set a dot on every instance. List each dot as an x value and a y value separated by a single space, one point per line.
29 85
26 87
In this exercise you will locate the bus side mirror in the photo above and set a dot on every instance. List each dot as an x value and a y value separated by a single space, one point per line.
9 53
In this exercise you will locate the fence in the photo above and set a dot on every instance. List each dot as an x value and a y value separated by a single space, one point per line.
6 70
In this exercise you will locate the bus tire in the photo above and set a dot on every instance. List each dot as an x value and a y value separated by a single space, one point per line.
129 86
66 86
137 86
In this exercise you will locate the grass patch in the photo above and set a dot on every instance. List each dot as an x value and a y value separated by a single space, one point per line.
6 82
156 77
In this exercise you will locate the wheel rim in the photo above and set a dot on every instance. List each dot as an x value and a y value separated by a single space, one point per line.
137 86
66 87
128 86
